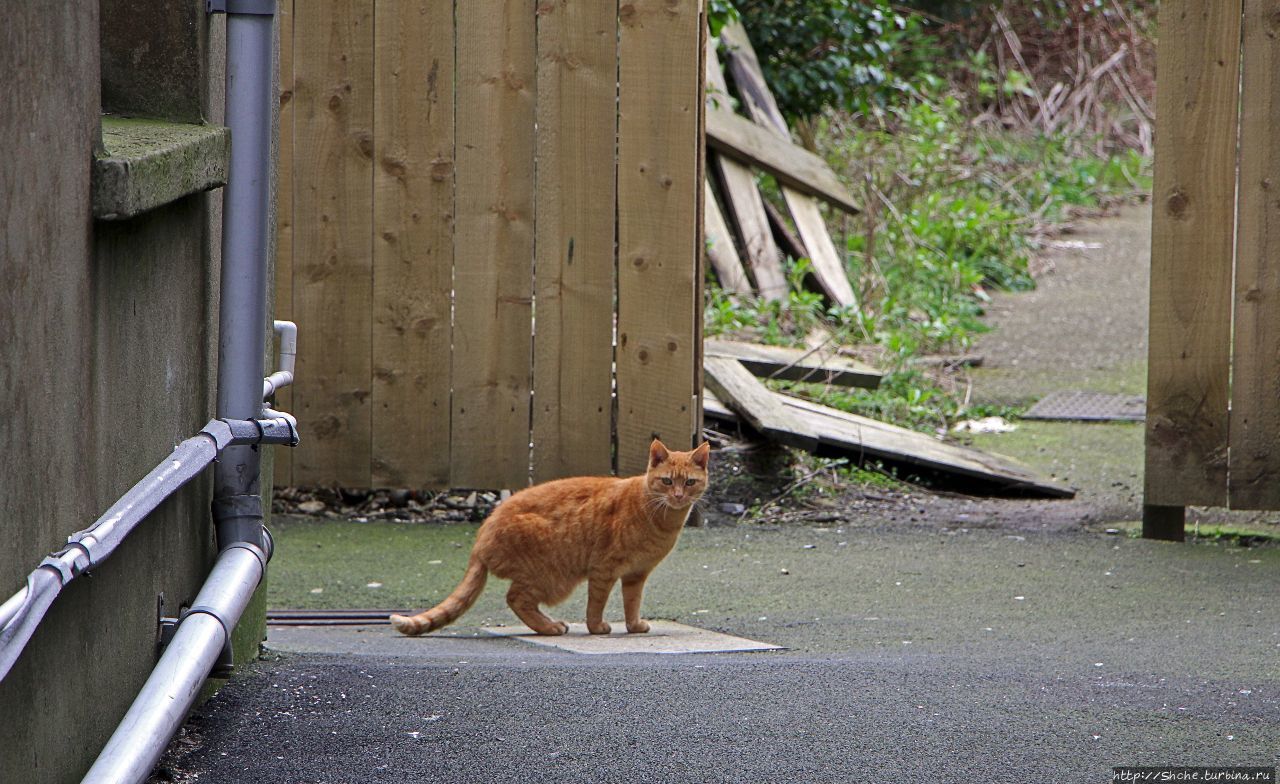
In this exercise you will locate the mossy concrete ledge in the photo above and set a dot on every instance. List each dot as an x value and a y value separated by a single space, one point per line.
149 163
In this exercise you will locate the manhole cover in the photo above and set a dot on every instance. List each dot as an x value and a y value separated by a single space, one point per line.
1089 406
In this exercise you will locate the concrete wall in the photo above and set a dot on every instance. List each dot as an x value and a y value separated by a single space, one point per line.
107 359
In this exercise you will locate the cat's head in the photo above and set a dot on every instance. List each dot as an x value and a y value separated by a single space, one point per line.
678 478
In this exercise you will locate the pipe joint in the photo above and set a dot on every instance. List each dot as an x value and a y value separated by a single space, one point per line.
69 562
275 430
250 7
279 430
239 521
263 555
220 432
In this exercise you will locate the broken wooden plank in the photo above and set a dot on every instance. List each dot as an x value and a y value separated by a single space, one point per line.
743 203
849 434
746 209
793 364
749 77
826 431
720 249
740 138
828 263
785 237
740 391
715 408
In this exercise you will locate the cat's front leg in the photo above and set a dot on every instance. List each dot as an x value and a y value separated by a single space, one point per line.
632 590
598 589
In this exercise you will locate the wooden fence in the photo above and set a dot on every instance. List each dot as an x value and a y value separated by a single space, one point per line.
1213 410
475 198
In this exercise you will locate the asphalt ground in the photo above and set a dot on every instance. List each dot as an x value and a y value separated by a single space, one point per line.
927 637
962 654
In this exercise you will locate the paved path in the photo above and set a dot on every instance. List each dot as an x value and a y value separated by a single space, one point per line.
968 654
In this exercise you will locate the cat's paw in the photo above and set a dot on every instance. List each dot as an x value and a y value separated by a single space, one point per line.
639 627
556 629
599 628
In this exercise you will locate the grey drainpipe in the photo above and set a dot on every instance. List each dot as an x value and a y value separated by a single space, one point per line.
237 494
203 632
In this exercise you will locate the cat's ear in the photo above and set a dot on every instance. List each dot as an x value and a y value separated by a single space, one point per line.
658 453
702 455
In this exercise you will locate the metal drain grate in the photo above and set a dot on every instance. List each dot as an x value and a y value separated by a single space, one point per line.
1089 406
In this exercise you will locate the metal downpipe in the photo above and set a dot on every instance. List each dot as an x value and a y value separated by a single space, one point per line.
141 737
237 504
169 693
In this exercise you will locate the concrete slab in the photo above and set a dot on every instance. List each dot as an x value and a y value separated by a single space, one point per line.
475 643
381 640
663 637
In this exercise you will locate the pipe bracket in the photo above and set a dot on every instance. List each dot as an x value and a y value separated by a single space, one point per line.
237 506
278 430
250 7
69 562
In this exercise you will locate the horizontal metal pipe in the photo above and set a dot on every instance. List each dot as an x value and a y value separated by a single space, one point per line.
11 605
42 588
159 709
94 544
21 613
185 463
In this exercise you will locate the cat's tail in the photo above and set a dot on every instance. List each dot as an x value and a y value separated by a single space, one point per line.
451 608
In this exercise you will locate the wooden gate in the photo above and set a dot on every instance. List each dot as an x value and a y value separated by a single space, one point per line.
475 198
1213 406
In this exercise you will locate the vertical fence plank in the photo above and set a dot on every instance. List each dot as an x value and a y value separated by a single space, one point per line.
660 93
493 244
573 340
1191 249
282 467
333 140
1255 374
412 242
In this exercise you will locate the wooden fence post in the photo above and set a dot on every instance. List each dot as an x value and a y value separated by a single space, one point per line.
1255 371
659 316
412 243
333 211
1191 258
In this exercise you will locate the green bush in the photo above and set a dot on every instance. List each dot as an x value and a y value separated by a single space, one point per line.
821 54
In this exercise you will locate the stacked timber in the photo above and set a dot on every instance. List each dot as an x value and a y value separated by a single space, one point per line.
747 236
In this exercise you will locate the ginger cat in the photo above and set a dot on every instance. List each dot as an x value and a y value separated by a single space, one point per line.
548 538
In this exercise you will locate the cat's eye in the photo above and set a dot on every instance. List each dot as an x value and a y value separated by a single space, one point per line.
666 480
690 482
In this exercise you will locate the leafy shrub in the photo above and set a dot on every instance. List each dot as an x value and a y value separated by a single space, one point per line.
820 54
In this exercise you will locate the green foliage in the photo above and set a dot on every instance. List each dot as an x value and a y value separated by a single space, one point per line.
952 206
842 54
950 211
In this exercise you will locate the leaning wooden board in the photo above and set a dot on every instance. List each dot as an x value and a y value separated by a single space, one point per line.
828 263
743 203
720 249
800 423
734 384
793 364
740 138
